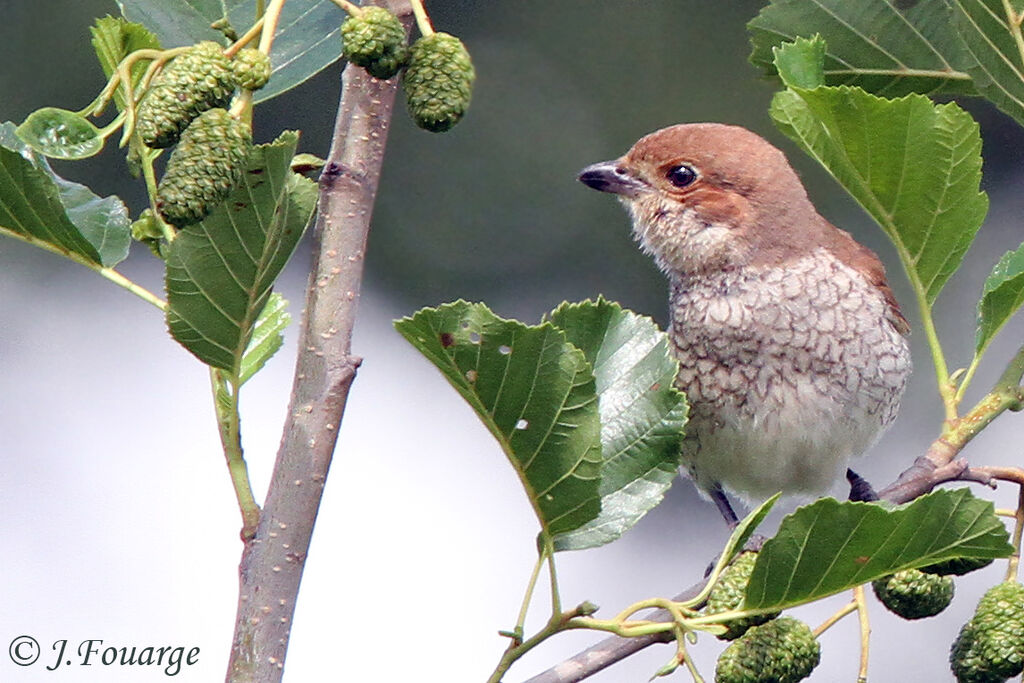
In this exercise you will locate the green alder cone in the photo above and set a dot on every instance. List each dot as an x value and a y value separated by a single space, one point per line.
990 647
912 594
251 69
203 168
375 40
958 566
192 83
781 651
438 82
728 595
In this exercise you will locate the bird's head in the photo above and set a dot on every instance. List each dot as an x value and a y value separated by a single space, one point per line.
708 196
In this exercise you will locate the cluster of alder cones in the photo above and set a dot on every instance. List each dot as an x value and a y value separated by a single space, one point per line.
766 647
185 106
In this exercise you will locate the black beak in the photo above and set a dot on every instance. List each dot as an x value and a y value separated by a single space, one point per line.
610 176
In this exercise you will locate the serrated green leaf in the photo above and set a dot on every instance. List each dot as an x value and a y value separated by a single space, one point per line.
307 40
220 271
997 67
889 48
642 414
60 134
1002 295
534 391
913 165
828 546
113 39
40 206
267 337
802 61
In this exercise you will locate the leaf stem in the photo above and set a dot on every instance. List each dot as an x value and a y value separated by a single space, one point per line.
246 38
967 377
1018 529
118 121
946 389
865 631
517 632
147 157
132 286
109 273
1014 21
557 623
225 403
549 550
353 10
269 28
422 19
687 659
121 76
843 611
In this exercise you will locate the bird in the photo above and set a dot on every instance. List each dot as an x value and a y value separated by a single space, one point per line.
792 350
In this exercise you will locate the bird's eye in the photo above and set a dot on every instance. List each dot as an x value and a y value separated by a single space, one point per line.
681 175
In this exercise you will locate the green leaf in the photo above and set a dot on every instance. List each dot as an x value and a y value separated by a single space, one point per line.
60 134
828 546
802 61
42 208
642 414
220 271
308 37
1002 295
534 391
113 39
997 67
746 528
267 337
103 221
913 165
889 48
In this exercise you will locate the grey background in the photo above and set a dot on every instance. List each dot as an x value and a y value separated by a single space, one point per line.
118 518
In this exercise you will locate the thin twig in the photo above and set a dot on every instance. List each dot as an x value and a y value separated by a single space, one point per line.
272 563
865 631
1018 531
612 649
843 611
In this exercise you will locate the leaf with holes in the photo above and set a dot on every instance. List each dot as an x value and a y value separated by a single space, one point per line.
535 393
220 271
828 546
308 37
913 165
1002 296
60 134
42 208
887 47
642 414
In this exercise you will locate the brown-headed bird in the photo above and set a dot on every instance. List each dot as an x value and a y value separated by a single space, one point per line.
792 349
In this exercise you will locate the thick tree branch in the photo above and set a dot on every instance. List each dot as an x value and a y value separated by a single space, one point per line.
272 562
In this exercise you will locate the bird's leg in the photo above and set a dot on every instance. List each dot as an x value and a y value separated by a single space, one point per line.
722 503
860 489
